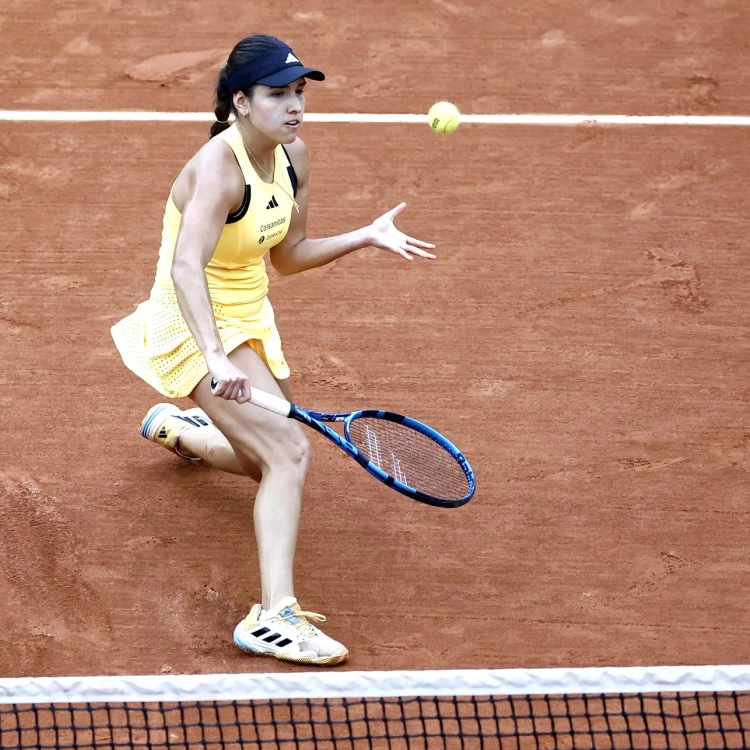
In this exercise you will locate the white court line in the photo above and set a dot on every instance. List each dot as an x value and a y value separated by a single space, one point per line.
531 119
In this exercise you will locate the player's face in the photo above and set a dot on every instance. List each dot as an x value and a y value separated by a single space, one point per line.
278 112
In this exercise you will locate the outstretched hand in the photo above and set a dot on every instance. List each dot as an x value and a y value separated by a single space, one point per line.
385 235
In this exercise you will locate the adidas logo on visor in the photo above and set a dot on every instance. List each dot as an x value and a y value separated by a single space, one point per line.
290 58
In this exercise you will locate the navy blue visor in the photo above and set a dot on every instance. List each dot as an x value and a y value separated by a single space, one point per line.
276 68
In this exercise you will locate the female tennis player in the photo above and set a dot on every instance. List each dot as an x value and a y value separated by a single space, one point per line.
244 195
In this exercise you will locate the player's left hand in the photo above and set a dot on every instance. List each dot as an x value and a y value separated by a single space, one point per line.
383 233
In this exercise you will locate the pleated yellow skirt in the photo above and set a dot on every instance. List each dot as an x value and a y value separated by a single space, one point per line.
156 344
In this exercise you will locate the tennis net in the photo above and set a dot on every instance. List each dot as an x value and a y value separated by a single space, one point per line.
623 707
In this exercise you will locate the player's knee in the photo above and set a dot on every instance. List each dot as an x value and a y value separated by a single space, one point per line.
287 451
295 454
279 449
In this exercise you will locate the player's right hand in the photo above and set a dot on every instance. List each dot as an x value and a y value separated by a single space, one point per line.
230 383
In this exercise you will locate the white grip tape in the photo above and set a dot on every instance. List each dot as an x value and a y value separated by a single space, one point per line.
269 402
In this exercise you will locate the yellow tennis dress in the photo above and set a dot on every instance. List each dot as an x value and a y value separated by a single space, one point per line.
155 341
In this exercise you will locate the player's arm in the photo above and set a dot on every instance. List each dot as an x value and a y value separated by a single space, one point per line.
215 188
297 253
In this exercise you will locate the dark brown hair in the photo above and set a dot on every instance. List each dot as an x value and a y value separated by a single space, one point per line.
244 52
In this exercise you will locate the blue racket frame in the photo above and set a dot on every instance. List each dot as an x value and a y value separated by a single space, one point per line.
316 419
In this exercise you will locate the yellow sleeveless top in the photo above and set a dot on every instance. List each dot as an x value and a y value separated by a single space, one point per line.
156 343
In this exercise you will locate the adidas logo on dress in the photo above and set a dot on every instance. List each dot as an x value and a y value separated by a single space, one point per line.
273 202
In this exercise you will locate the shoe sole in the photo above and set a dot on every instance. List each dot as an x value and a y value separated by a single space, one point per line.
320 661
154 419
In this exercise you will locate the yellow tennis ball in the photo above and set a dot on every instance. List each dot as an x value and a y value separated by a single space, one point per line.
444 117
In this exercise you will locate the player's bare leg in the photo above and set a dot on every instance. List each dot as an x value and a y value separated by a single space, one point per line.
211 447
276 448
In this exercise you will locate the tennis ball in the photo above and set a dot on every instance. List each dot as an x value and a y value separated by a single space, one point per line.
444 117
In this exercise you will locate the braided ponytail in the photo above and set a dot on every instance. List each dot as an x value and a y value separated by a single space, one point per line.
224 105
244 52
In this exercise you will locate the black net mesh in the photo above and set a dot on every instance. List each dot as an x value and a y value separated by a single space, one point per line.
657 720
410 457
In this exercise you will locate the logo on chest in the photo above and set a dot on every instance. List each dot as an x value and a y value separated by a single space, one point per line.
273 225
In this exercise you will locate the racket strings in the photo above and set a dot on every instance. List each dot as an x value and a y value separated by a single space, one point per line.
410 457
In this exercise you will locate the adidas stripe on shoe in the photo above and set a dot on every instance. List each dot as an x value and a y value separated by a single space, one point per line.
164 423
285 632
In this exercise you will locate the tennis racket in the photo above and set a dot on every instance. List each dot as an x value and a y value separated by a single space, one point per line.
404 454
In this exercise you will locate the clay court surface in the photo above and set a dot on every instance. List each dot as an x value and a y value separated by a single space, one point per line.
584 336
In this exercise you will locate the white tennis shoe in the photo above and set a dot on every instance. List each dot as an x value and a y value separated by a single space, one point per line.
285 631
164 423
